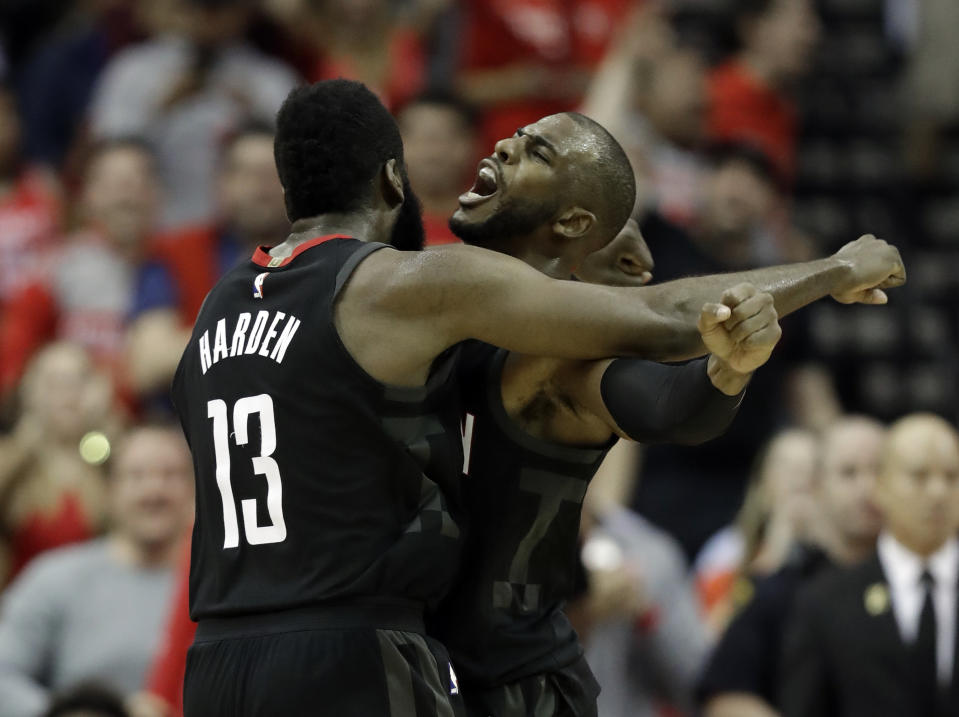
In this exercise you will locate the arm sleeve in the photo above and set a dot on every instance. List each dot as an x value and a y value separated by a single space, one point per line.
656 403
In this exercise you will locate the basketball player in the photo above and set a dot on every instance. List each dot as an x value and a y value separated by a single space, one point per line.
317 394
535 432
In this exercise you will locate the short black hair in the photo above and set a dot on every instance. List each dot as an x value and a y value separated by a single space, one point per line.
332 138
611 177
449 100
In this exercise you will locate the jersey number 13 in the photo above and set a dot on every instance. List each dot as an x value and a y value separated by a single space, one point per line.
243 409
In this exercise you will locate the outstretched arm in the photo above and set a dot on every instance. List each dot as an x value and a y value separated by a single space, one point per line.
425 302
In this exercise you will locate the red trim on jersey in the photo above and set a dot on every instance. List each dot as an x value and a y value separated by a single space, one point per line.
262 254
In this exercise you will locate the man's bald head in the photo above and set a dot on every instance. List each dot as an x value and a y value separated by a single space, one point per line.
918 488
562 182
608 182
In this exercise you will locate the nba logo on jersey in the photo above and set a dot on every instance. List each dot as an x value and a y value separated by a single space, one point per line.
258 285
454 684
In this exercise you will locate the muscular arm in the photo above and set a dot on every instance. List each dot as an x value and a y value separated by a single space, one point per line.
425 302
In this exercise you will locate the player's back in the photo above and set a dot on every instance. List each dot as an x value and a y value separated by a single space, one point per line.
315 482
322 529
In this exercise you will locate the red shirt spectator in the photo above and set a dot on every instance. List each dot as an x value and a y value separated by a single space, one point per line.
749 95
524 59
743 109
29 218
93 284
165 679
440 149
38 532
405 68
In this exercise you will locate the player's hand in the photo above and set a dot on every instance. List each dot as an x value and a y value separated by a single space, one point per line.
875 265
742 329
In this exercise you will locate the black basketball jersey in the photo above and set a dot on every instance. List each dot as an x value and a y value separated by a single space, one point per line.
314 481
503 619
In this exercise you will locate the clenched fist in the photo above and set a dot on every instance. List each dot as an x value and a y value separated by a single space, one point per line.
874 265
740 332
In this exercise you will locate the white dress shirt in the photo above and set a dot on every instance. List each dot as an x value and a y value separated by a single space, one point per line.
903 570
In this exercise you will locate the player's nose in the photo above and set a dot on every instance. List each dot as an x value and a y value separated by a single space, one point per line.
506 149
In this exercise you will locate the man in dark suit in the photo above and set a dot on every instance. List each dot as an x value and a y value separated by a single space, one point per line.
741 678
879 639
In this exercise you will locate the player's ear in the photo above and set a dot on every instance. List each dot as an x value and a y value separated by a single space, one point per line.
574 223
392 183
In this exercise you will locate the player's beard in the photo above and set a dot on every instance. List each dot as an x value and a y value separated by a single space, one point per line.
408 233
513 219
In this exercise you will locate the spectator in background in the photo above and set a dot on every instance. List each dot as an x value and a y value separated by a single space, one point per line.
692 492
364 40
524 59
739 192
651 94
638 618
187 263
742 678
29 209
56 83
749 95
775 512
440 148
95 611
185 91
49 494
91 289
879 639
930 80
168 668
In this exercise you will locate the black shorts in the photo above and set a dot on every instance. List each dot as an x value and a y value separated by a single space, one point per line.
309 667
567 692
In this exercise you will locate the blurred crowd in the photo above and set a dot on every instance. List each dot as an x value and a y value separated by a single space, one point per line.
136 167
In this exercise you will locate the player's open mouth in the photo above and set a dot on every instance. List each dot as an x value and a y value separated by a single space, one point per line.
486 185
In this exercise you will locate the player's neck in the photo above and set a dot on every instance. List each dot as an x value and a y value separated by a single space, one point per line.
360 225
541 253
557 267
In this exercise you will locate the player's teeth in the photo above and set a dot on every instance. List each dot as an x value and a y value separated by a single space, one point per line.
488 174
